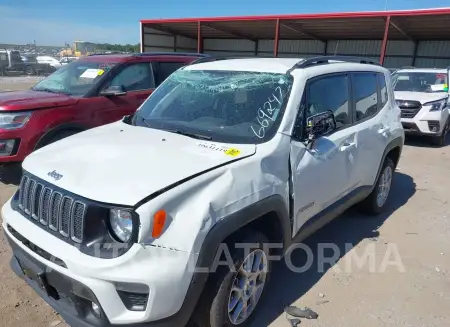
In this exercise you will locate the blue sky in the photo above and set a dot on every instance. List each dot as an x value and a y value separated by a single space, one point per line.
53 22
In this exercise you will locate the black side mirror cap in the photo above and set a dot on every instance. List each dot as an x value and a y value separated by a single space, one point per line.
320 125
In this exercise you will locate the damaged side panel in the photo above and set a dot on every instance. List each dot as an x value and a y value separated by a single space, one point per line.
218 194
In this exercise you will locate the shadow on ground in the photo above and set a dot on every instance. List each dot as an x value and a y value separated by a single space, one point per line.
287 286
423 141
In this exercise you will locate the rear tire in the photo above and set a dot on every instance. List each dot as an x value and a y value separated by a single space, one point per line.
227 289
30 71
376 202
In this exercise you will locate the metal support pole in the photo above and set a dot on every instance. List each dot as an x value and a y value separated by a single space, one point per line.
385 39
256 48
277 38
142 37
199 38
416 46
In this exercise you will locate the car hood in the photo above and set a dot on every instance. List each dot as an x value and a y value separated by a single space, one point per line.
122 164
422 97
29 99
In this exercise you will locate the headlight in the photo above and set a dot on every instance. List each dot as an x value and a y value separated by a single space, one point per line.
437 105
121 224
14 120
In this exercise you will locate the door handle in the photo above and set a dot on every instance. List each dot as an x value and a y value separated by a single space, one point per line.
384 129
347 145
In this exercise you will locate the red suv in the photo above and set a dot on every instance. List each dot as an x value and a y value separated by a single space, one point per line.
86 93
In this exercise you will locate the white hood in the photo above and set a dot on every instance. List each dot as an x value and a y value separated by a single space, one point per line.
422 97
123 164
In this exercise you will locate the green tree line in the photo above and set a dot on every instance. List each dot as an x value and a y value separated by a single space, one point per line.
118 47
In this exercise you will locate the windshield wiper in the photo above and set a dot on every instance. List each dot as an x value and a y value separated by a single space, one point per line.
193 135
49 90
177 131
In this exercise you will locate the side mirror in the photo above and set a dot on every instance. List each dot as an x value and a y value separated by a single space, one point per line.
115 90
320 125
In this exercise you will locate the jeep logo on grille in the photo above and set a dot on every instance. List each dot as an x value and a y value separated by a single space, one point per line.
55 175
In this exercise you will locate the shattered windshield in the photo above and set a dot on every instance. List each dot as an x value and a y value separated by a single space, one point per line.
76 78
223 106
427 82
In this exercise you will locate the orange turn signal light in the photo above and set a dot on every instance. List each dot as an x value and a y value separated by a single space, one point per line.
159 220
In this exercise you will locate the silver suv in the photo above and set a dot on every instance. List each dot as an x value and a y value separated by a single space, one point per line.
423 97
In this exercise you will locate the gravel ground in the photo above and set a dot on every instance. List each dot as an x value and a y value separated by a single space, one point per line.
416 227
18 83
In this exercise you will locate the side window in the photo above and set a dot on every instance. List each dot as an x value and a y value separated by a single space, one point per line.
164 69
383 89
135 77
365 92
330 93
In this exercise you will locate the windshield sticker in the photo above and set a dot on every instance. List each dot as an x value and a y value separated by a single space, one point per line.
267 114
438 87
91 73
233 152
403 78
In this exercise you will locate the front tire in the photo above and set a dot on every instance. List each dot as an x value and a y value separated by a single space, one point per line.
231 297
376 202
441 139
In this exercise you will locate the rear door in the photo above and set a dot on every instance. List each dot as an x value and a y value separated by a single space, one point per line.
163 68
372 126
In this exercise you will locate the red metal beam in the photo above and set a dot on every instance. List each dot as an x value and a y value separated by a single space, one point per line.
380 14
385 39
199 38
277 38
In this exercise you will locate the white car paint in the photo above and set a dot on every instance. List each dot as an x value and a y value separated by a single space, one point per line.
49 60
122 164
424 115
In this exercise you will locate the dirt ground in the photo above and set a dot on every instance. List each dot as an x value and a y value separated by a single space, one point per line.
414 291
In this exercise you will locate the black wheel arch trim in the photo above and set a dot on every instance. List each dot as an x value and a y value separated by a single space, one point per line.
58 129
221 231
395 143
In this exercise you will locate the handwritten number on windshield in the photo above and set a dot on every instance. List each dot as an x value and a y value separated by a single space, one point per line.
266 113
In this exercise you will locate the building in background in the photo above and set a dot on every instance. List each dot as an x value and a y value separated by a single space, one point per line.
419 38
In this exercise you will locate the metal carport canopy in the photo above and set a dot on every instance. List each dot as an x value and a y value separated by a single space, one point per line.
410 25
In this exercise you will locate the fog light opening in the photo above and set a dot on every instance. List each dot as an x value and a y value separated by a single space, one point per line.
96 310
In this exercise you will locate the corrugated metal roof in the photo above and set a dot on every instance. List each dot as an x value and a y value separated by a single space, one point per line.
428 24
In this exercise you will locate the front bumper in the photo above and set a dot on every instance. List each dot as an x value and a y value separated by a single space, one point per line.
82 280
425 123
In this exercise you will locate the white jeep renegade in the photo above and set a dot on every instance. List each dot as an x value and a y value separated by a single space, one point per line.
423 97
121 225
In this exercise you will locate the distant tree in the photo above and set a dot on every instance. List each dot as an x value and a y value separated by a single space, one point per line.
118 47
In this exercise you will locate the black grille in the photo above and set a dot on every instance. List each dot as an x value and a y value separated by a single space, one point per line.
54 210
409 108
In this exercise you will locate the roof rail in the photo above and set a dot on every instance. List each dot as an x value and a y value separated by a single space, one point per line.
320 60
181 54
214 58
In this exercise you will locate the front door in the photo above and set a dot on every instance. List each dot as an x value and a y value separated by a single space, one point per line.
324 173
137 80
